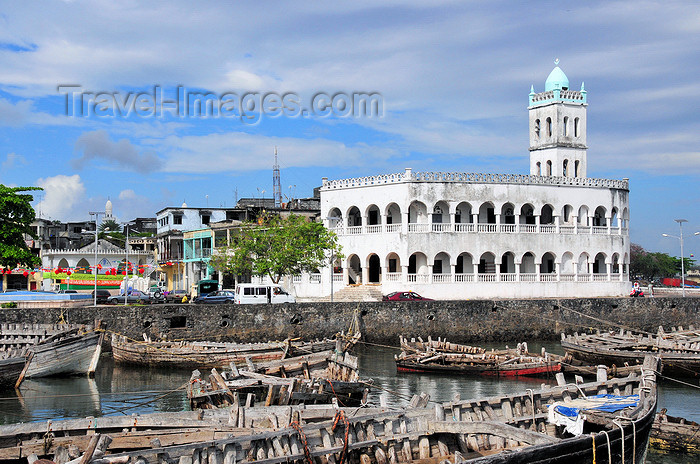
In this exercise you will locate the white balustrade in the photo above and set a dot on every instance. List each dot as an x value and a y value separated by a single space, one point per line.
392 277
584 278
419 227
489 228
354 230
315 278
487 277
464 277
528 228
442 278
440 227
296 279
567 229
337 277
509 277
547 229
464 227
528 277
600 277
373 229
392 228
600 230
548 277
566 277
584 229
508 228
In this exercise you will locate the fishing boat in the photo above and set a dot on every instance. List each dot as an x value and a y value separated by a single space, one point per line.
679 349
318 378
671 433
207 354
441 356
603 421
56 349
10 369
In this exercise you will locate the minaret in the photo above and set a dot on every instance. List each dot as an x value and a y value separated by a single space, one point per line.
558 128
108 211
276 184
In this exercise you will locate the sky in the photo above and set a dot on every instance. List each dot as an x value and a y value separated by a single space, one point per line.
92 98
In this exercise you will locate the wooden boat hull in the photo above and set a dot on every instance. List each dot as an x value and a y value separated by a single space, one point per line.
507 429
10 370
489 371
73 355
195 355
671 363
674 434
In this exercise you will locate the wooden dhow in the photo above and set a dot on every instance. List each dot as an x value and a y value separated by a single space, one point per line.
56 349
615 418
677 434
317 378
207 354
443 357
679 349
11 368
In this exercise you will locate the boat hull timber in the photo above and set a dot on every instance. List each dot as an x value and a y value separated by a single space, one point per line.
10 370
76 354
199 355
676 359
481 431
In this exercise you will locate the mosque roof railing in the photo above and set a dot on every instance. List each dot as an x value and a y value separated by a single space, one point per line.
574 96
473 178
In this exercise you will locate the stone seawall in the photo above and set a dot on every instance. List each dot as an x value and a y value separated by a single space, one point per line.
381 322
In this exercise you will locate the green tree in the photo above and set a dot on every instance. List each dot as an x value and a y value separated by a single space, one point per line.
276 247
651 265
16 217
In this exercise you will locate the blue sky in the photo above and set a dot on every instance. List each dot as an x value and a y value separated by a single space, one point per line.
454 78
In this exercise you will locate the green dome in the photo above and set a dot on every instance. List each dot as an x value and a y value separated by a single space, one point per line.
556 80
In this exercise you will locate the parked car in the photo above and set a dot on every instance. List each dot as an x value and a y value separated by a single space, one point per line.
218 296
404 296
175 296
102 296
134 296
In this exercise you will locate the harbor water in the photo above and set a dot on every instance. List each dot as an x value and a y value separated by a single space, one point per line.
118 390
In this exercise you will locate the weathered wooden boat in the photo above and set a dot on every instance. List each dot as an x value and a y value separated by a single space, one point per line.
679 350
671 433
56 349
443 357
573 366
11 368
612 421
318 378
206 354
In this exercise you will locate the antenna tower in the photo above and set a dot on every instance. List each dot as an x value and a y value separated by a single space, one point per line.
276 185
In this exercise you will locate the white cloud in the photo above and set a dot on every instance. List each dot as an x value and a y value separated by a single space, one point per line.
240 152
96 145
12 161
127 194
61 194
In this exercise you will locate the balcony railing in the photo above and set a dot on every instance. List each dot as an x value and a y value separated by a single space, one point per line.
462 227
315 278
548 277
508 277
528 277
567 277
487 277
464 277
439 227
442 278
600 277
392 277
418 278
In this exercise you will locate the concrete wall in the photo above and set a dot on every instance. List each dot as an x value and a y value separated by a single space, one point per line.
467 321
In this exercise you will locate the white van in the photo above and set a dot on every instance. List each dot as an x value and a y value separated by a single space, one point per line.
262 294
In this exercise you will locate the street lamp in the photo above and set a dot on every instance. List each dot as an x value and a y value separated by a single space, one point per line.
126 264
96 213
680 226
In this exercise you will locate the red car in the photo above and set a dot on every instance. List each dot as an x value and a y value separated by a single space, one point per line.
404 296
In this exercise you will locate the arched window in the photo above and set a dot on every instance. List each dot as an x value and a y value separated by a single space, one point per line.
549 127
537 128
539 168
565 168
566 126
549 167
576 168
576 127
